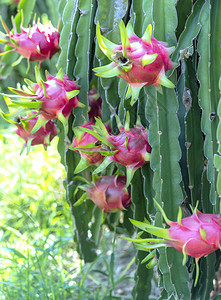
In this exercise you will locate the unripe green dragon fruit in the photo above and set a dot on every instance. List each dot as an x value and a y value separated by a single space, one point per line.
36 43
44 135
139 61
197 235
109 193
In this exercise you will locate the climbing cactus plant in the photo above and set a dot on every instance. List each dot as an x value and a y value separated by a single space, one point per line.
182 121
154 65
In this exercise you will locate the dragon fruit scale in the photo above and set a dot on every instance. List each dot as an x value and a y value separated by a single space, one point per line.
139 61
43 136
197 235
36 43
109 193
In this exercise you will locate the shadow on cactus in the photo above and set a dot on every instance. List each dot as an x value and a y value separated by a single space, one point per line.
197 235
139 61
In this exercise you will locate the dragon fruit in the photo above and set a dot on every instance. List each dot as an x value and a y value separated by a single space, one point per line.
95 104
43 136
92 154
129 148
139 61
109 193
197 235
55 97
36 43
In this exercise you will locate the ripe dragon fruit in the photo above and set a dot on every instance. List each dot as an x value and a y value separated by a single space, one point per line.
43 136
139 61
95 105
129 148
58 95
53 99
197 235
36 43
109 193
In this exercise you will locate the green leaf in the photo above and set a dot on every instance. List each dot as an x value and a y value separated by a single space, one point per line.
106 162
82 165
28 103
81 200
13 251
40 122
160 232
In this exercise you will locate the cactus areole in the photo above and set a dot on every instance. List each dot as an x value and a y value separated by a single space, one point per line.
139 61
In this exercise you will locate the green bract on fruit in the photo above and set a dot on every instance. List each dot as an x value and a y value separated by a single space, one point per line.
197 235
139 61
91 155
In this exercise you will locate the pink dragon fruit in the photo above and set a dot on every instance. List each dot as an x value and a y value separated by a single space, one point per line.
95 104
197 235
139 61
93 151
55 97
36 43
131 146
43 136
109 193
